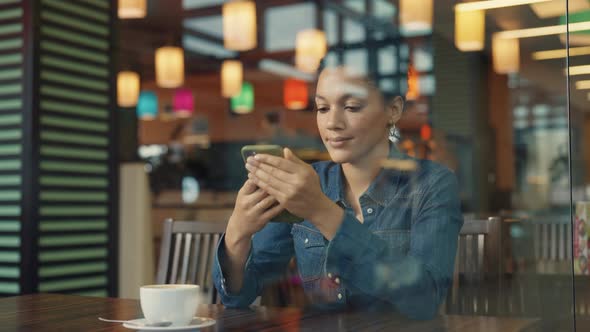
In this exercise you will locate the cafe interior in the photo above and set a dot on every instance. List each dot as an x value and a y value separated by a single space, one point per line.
122 124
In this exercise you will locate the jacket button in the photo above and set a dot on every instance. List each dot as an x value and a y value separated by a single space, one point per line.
306 240
337 281
330 275
339 296
370 210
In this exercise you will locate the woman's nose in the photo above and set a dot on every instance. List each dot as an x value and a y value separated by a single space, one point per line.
335 120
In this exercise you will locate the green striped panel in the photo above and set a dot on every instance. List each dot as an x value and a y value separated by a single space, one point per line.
72 225
56 136
10 165
11 59
86 26
14 119
59 121
9 272
9 226
70 181
98 3
75 95
13 13
73 66
9 287
10 74
58 166
69 255
69 269
9 211
58 211
9 241
75 38
10 104
72 240
95 293
9 195
74 196
74 52
74 80
9 150
7 89
9 256
68 152
10 44
74 109
59 285
10 28
10 134
67 6
9 180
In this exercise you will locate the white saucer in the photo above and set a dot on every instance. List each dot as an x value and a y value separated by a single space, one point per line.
196 323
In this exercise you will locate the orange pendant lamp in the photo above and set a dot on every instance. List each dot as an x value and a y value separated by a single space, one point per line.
295 94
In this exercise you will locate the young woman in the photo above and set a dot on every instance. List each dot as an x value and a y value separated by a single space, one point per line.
373 237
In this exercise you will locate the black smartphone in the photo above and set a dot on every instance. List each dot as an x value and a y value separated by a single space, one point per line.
275 150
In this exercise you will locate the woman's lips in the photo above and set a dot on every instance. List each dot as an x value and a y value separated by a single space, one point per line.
338 142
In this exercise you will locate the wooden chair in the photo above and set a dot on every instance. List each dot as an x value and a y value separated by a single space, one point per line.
187 254
478 268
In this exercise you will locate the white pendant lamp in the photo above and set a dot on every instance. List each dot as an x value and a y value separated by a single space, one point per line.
239 25
232 74
169 67
310 48
469 30
506 55
132 9
127 88
415 15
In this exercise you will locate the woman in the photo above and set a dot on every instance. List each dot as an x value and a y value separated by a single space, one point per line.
373 238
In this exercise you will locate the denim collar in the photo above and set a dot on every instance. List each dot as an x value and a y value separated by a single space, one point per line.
382 189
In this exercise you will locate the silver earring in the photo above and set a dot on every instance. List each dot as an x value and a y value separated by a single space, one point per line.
393 133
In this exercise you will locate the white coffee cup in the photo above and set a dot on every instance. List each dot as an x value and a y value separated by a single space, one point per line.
169 303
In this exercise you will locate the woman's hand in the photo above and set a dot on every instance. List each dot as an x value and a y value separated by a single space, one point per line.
253 210
296 186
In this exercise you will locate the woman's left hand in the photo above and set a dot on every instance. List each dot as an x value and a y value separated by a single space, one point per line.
293 183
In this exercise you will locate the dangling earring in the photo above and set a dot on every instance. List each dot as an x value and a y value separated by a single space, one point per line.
393 137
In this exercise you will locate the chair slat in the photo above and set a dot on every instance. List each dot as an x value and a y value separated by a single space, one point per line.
185 257
203 255
195 259
175 258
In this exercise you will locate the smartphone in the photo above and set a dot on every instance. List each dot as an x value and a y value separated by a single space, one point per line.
274 150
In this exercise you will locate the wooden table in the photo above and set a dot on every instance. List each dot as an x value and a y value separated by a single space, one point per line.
53 312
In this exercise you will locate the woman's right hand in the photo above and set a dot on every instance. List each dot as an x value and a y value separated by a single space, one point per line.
253 210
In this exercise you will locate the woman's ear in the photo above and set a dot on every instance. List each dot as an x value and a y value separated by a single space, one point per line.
395 108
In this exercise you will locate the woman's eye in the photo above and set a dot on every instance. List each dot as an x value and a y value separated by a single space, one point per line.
352 108
322 109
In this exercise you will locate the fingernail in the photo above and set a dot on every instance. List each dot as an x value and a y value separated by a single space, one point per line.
256 157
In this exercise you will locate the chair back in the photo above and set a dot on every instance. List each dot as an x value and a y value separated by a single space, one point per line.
187 254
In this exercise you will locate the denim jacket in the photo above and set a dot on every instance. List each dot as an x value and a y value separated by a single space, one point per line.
400 258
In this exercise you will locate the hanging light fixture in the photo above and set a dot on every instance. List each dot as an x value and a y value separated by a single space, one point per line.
239 25
469 30
132 9
505 54
295 94
232 74
243 103
147 105
127 88
184 103
169 66
310 48
415 15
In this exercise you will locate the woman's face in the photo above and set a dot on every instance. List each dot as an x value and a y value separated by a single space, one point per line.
352 118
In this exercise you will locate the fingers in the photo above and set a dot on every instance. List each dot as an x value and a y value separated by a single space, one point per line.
289 155
273 212
271 189
264 204
268 173
278 162
249 187
255 197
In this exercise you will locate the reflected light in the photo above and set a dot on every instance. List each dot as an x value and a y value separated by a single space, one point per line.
491 4
505 54
561 53
583 85
132 9
578 70
544 31
558 7
469 30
